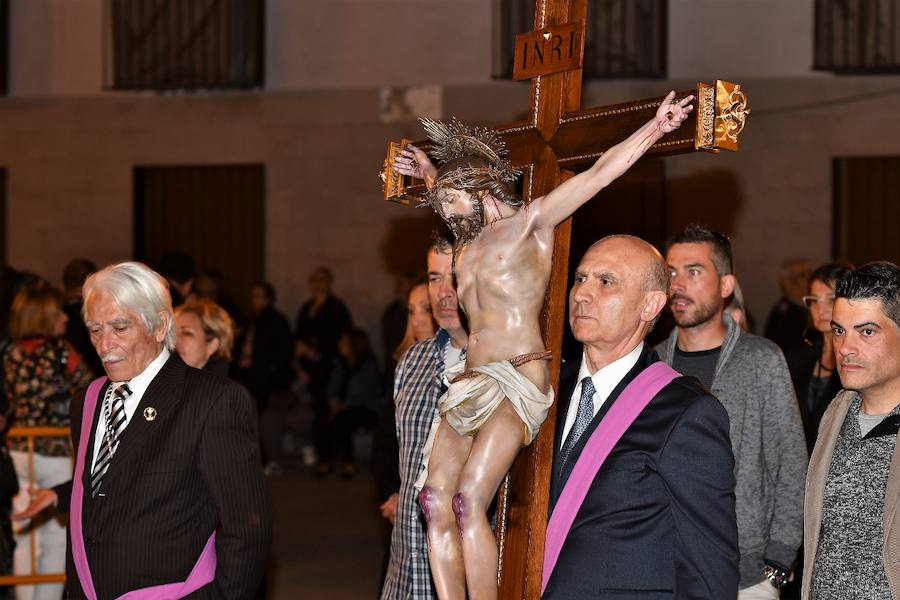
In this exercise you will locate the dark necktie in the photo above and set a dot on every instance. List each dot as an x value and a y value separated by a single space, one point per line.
114 423
582 420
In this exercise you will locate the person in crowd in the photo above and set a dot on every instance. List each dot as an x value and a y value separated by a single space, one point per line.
420 326
288 411
394 320
321 322
737 308
264 361
355 396
658 525
420 323
42 373
813 365
9 488
73 278
749 376
13 282
851 541
179 269
204 335
208 284
418 383
788 318
167 473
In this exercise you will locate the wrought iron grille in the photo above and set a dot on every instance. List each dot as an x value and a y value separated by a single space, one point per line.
623 38
857 36
190 45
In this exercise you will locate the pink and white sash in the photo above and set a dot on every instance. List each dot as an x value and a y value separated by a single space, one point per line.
609 431
204 570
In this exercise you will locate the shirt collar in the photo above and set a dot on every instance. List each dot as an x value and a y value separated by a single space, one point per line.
609 376
139 383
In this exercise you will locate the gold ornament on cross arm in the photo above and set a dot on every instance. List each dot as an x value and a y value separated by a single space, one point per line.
397 187
721 115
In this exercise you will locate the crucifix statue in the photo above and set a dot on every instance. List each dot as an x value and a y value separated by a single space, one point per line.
510 260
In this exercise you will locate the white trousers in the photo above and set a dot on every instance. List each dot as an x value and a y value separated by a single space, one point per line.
49 528
761 591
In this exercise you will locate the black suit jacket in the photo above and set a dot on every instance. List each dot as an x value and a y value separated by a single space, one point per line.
171 482
658 521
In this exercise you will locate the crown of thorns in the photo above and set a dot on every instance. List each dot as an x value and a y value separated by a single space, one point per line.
455 140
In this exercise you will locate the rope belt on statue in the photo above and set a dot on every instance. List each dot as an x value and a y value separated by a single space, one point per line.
515 362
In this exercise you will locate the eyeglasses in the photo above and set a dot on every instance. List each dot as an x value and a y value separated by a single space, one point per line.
811 301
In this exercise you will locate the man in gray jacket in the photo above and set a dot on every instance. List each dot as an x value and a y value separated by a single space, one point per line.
749 376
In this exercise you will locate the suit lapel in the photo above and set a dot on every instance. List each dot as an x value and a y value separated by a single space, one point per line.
162 395
891 497
819 463
89 452
648 356
88 520
567 382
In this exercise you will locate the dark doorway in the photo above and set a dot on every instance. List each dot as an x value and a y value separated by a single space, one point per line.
866 209
215 214
633 204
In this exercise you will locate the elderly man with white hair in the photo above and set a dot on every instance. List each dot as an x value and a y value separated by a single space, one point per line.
168 497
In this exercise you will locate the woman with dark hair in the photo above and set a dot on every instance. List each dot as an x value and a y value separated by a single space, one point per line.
42 373
355 396
812 365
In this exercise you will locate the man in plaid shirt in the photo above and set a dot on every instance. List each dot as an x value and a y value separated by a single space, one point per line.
418 383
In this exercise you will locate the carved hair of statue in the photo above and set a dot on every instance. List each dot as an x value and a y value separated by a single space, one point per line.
473 161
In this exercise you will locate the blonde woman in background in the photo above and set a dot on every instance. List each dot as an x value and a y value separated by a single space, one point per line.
420 326
419 323
204 335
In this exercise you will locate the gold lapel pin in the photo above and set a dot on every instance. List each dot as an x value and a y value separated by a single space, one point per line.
150 413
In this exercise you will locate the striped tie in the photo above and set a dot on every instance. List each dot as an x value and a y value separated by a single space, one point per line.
583 418
114 416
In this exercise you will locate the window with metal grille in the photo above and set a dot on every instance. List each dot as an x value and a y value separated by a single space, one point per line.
184 44
623 38
857 36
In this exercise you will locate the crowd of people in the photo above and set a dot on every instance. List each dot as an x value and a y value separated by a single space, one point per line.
738 514
321 382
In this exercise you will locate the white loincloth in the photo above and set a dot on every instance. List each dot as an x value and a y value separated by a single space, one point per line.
468 404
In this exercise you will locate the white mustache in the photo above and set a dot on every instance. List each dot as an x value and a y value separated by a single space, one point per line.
110 357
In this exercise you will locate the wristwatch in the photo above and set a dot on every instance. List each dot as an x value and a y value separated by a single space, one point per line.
777 577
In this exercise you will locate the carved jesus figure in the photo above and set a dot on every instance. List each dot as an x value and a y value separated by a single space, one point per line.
498 399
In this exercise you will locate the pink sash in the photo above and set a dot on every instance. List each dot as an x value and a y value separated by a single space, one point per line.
204 570
609 431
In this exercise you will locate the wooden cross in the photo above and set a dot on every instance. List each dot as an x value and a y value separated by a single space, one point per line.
557 139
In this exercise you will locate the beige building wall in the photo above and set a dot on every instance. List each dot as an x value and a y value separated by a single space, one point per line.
69 148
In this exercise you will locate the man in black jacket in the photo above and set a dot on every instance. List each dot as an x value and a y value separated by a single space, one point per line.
658 520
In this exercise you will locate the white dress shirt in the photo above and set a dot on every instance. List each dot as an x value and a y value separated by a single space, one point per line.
138 386
605 381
